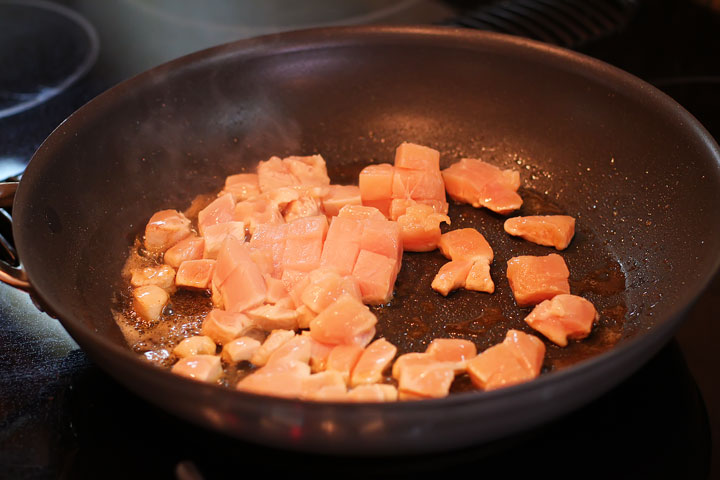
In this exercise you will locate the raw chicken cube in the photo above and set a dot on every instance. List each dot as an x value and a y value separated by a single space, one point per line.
417 157
242 186
319 385
223 327
373 393
451 276
375 275
466 244
372 362
382 237
479 279
375 182
517 359
420 228
189 248
483 185
563 317
338 196
195 274
283 379
534 279
273 174
238 279
275 340
205 368
342 359
298 348
304 243
346 321
215 235
220 210
342 245
451 350
310 170
256 212
361 212
549 230
426 381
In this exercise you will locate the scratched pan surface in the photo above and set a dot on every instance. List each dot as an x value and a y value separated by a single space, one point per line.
637 171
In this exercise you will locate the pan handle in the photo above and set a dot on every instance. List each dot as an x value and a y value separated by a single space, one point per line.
10 273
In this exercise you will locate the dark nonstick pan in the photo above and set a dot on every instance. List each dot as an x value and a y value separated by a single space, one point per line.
639 173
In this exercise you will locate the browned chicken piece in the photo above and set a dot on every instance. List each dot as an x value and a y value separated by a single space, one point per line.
163 276
196 345
165 229
149 301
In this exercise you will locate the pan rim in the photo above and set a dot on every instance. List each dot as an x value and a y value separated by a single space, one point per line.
317 38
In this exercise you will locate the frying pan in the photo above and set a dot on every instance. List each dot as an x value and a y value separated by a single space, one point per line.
641 175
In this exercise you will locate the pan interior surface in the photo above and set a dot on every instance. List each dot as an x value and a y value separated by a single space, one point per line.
639 174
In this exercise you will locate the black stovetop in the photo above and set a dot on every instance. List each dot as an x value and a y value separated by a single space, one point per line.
62 417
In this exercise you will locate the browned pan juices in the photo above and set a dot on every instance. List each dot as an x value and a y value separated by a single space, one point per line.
417 314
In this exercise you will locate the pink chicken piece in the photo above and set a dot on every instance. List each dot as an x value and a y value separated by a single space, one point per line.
465 244
215 235
478 278
304 243
420 228
534 279
162 275
324 386
346 321
361 212
563 317
548 230
372 362
309 171
451 350
195 274
376 392
164 229
432 380
375 275
223 327
242 186
375 183
282 379
274 173
483 185
342 245
417 157
319 352
338 196
256 212
343 359
304 206
418 184
382 237
325 286
189 248
270 240
517 359
237 277
205 368
451 276
220 210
